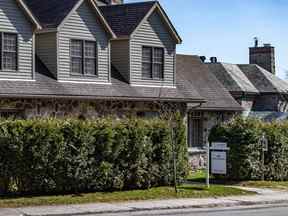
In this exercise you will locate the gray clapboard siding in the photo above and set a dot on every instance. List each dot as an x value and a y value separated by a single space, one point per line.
13 20
152 32
120 57
84 25
46 50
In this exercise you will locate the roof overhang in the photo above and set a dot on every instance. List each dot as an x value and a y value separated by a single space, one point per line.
29 14
92 97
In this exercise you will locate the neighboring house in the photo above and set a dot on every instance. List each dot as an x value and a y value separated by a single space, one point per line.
259 91
219 106
74 41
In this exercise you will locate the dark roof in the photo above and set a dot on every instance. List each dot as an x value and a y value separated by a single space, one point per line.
232 77
46 86
51 13
124 18
263 80
191 68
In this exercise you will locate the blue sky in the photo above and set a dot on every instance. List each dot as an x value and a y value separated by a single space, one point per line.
225 28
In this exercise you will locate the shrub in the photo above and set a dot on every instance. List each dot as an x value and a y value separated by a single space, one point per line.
244 158
64 156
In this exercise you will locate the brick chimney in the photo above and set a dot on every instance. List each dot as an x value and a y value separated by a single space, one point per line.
263 56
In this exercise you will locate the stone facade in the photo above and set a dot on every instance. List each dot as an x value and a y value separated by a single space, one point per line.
198 156
271 102
85 109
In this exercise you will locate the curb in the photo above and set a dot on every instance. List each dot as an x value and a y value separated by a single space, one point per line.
223 205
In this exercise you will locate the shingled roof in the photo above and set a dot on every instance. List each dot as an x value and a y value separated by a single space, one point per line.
125 18
248 78
192 69
232 77
51 13
263 80
47 87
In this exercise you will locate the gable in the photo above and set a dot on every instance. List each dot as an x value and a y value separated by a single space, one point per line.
12 17
152 29
163 19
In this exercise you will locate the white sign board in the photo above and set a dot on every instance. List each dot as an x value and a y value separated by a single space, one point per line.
218 162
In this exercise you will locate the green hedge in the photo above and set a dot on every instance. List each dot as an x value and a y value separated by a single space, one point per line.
63 156
244 158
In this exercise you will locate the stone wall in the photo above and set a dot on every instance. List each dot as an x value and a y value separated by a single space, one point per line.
86 109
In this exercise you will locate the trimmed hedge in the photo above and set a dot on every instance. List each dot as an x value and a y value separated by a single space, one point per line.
64 156
244 158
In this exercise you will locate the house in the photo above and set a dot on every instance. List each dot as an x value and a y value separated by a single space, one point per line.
64 51
220 106
91 58
255 86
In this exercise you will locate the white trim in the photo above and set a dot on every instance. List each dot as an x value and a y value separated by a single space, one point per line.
20 80
153 86
27 10
85 82
102 19
165 18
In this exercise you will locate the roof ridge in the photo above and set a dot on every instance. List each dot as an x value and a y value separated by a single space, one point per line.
131 3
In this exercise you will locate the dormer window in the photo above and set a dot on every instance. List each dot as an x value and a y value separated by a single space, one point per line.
9 51
83 57
152 63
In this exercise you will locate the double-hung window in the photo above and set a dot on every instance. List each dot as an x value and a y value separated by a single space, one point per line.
83 57
152 63
9 51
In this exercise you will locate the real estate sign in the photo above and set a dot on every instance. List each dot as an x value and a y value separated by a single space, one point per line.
219 158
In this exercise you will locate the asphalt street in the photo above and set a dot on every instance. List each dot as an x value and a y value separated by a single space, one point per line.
243 211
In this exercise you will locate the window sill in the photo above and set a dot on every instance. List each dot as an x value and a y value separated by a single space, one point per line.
84 76
151 79
195 150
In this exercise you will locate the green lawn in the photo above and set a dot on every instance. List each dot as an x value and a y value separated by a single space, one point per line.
197 176
185 191
266 184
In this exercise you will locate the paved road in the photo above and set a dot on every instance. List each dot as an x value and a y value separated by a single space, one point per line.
254 211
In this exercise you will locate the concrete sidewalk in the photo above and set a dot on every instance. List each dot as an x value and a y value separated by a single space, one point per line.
264 196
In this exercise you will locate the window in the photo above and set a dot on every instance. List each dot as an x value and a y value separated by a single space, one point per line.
152 63
83 57
9 51
196 130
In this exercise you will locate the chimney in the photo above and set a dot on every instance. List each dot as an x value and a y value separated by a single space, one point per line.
263 56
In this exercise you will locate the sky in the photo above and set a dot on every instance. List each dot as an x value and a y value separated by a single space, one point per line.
226 28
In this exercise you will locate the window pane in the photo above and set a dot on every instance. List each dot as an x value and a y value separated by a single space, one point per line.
90 66
76 48
76 65
158 55
146 62
146 70
9 61
158 71
147 54
10 42
90 49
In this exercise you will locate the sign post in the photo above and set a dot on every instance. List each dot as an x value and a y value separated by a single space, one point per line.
264 148
208 166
